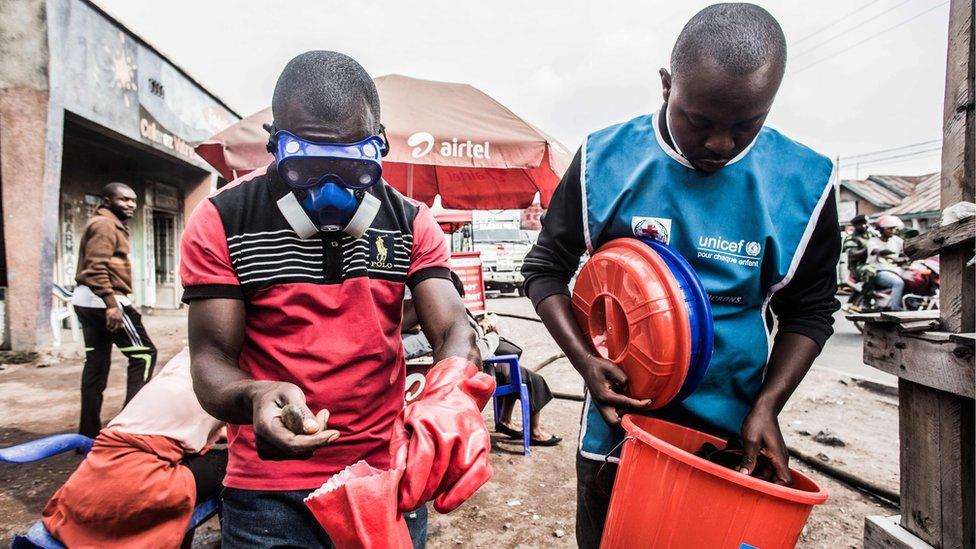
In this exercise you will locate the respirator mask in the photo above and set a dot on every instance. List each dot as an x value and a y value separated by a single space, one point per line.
328 182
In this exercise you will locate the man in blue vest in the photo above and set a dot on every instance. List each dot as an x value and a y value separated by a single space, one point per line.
752 211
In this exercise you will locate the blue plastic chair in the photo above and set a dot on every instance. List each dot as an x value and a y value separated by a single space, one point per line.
514 387
43 448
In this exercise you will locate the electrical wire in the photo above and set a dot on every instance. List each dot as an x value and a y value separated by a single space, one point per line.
835 36
895 157
832 23
875 35
893 149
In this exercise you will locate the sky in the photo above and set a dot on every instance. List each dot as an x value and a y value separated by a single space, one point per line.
862 76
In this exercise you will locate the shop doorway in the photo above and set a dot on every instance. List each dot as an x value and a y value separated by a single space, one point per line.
93 157
164 246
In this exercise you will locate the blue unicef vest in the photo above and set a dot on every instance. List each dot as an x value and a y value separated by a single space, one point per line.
743 229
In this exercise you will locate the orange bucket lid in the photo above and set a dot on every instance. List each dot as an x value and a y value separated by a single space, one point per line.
632 309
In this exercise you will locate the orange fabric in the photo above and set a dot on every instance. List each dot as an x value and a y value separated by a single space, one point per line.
130 491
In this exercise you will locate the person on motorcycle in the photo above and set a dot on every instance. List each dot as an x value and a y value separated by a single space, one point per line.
856 246
885 256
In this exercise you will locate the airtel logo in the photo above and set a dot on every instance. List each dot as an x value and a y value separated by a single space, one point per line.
420 138
423 143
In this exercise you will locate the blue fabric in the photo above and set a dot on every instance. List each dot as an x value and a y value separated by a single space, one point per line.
42 448
280 519
740 229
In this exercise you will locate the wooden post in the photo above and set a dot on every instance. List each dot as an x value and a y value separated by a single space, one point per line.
958 162
936 411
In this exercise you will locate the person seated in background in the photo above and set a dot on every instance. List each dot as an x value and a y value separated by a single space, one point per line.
149 467
490 343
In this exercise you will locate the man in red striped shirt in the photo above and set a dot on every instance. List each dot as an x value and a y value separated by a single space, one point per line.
287 309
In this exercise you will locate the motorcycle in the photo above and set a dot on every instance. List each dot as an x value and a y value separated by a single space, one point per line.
921 291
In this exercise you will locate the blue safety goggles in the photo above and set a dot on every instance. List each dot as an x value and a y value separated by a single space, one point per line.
304 164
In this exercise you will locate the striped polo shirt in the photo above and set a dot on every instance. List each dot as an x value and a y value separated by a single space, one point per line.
323 313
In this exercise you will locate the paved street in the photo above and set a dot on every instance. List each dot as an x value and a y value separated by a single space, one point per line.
843 353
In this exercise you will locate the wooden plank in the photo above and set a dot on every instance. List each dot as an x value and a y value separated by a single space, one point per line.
941 364
921 479
965 339
864 317
900 316
937 465
914 321
956 465
887 533
940 239
958 292
919 325
937 337
958 147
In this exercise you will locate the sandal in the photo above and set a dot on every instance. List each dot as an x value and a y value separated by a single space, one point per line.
508 431
553 440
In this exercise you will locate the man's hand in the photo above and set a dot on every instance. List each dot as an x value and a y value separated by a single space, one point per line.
607 384
113 318
284 427
761 436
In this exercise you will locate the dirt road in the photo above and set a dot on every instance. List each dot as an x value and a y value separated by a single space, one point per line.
531 500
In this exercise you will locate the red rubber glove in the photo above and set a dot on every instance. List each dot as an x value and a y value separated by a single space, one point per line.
440 440
358 508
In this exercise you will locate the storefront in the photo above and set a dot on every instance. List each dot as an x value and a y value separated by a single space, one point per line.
84 102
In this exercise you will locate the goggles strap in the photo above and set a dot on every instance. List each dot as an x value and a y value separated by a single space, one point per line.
296 217
369 206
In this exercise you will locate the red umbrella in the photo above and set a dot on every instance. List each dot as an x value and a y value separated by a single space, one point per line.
448 139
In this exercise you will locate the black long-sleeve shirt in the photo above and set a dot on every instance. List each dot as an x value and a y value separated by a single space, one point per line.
805 305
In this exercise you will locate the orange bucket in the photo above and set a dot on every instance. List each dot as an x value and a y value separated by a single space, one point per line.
665 496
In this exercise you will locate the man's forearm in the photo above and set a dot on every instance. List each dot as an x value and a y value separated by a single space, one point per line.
216 336
458 340
791 358
224 390
556 312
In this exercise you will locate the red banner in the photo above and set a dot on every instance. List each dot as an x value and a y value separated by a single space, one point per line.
467 265
532 218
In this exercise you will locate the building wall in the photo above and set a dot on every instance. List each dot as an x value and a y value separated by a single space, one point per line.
66 56
90 160
106 75
860 205
29 160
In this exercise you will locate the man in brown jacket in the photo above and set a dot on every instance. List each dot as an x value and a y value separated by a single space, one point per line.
101 300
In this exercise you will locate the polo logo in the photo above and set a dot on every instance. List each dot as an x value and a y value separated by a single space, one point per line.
381 252
655 228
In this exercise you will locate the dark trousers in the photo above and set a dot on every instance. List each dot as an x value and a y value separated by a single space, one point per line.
280 519
594 483
208 473
134 343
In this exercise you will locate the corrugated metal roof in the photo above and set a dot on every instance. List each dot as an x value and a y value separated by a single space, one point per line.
872 191
902 185
924 199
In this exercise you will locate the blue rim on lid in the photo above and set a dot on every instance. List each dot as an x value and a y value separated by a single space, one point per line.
699 316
